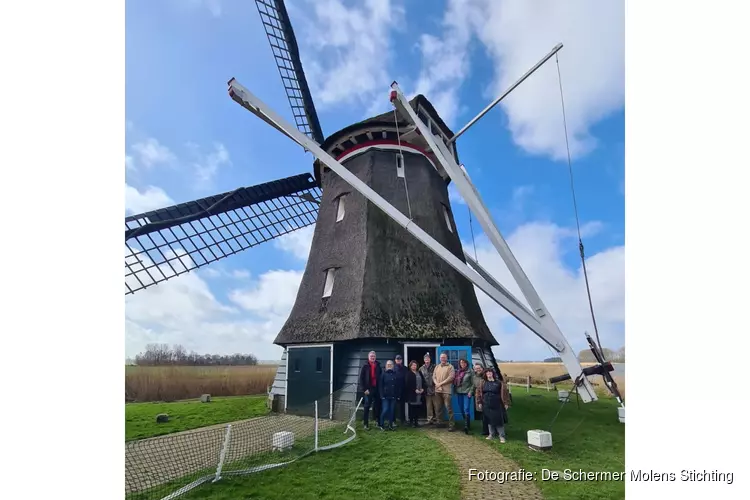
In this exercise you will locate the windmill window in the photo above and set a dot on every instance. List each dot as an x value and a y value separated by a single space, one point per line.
340 209
319 364
447 218
296 365
328 287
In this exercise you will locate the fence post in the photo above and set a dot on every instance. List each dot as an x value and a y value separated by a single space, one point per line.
548 388
316 425
528 383
351 419
223 453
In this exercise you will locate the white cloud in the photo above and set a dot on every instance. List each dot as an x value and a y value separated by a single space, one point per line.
206 166
297 242
151 198
592 64
240 274
445 61
217 271
520 193
184 310
515 36
346 47
541 249
272 296
150 153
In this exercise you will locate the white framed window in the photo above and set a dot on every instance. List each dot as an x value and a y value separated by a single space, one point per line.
340 209
447 218
400 165
328 286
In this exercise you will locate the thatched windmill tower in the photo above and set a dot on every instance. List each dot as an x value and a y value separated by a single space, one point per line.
369 284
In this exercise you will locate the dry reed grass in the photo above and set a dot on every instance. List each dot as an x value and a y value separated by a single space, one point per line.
541 372
172 383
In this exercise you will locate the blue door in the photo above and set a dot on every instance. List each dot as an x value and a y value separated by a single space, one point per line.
455 353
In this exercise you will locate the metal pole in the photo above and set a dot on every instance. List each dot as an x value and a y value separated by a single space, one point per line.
316 425
223 453
505 94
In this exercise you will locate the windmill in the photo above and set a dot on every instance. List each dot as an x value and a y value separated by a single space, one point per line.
386 270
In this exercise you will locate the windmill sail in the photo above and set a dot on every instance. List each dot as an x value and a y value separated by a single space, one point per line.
165 243
280 34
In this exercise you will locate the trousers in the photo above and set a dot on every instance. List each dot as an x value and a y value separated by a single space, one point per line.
433 403
389 405
445 402
371 400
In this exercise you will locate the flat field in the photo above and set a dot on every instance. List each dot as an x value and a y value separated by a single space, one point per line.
540 372
174 383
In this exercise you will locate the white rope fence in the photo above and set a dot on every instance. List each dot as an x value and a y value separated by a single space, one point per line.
166 467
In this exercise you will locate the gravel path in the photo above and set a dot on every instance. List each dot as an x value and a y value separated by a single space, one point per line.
470 454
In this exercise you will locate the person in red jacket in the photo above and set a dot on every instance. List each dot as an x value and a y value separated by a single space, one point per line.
369 376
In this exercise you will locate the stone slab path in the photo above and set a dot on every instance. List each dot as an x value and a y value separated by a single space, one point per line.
469 453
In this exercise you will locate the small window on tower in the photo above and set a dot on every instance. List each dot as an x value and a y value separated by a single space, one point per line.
340 209
447 218
328 287
319 364
296 365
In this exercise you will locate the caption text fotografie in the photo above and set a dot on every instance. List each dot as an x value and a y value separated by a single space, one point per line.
685 475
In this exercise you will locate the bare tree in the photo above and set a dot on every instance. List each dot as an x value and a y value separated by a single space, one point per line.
162 354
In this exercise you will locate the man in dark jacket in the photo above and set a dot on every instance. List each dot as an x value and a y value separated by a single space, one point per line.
369 376
400 371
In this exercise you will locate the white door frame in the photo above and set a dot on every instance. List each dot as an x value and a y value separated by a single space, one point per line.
415 344
330 385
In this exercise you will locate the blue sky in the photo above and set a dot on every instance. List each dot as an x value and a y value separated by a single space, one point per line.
185 138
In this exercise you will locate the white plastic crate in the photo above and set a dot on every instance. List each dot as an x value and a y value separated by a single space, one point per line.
621 414
539 439
282 440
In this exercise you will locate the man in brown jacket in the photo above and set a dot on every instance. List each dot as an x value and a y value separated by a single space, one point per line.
443 378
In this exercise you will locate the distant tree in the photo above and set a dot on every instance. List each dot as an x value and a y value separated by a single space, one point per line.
177 355
619 355
553 360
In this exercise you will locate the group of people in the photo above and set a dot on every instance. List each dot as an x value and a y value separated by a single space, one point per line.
388 390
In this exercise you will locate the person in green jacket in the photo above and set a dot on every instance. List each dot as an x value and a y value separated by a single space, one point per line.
464 385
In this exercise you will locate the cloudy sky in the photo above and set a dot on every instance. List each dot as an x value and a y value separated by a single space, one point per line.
186 139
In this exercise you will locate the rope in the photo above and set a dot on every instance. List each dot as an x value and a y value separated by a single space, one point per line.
575 208
403 162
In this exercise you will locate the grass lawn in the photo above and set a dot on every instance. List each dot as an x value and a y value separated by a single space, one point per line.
390 465
377 465
140 418
590 438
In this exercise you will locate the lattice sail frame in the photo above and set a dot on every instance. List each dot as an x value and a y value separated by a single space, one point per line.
283 43
171 241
